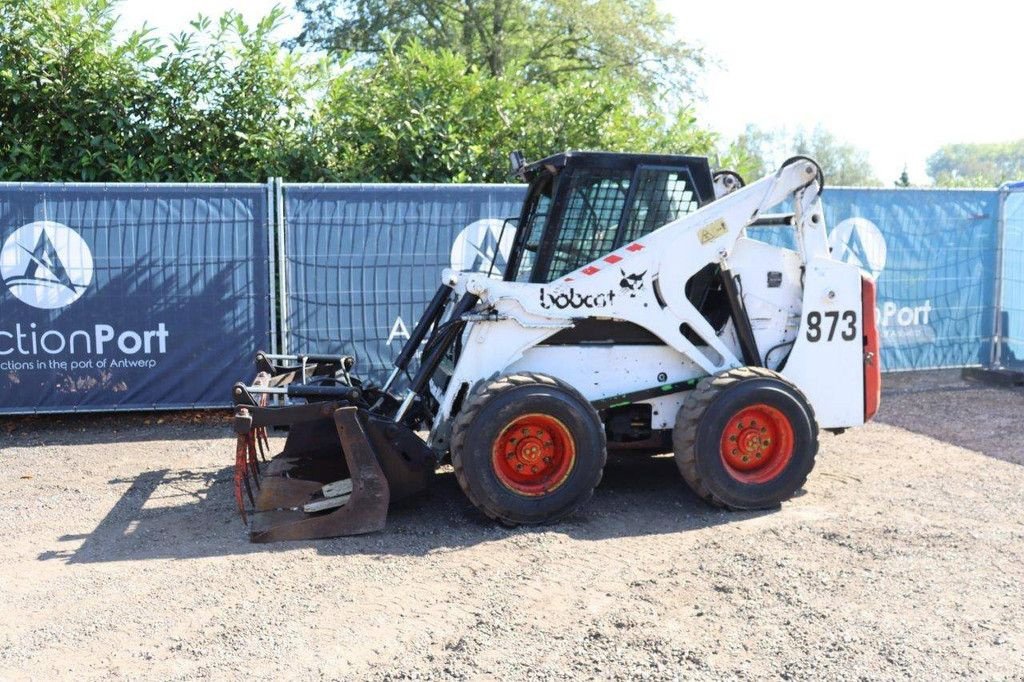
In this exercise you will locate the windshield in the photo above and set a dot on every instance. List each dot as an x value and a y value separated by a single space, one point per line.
592 214
530 229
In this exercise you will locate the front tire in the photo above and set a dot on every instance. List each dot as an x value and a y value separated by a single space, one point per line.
745 439
528 449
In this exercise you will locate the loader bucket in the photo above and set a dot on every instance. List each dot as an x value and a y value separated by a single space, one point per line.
340 468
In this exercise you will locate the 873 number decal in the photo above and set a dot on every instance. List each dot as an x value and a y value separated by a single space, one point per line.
823 326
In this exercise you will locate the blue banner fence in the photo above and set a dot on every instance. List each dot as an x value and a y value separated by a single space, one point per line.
934 254
361 262
1009 331
126 297
131 297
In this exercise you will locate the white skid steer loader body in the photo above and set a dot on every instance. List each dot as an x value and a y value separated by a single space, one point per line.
729 351
803 300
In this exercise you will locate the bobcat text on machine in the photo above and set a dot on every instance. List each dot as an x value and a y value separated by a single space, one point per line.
637 311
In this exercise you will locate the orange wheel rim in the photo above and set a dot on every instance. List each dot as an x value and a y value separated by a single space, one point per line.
534 454
757 444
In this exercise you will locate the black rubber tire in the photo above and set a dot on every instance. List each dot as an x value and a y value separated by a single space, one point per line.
486 413
703 417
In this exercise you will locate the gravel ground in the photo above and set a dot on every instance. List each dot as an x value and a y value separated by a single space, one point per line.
904 557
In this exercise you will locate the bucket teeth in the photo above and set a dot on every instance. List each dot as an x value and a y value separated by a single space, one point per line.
263 442
241 477
253 464
260 433
247 470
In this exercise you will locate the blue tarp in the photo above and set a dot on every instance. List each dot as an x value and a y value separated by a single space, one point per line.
130 297
139 297
935 257
362 261
1012 351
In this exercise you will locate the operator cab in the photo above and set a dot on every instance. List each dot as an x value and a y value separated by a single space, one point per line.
583 205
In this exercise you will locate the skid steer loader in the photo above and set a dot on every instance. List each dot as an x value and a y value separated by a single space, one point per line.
636 311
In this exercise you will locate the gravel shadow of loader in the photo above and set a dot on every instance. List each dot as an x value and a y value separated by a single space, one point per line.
185 514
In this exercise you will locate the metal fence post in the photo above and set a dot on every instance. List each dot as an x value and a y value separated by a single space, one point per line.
273 265
996 360
282 262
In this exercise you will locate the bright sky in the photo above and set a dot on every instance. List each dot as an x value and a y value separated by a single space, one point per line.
174 16
898 78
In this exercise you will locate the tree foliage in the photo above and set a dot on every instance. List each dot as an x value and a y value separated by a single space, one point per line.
79 103
903 181
751 154
226 102
844 164
548 41
757 151
427 116
977 165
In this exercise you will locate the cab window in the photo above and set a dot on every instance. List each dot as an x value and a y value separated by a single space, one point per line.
590 224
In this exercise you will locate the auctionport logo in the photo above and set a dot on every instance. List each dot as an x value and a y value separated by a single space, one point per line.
858 241
482 246
46 265
482 243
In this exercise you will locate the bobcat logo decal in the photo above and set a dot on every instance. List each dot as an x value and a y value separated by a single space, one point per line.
632 284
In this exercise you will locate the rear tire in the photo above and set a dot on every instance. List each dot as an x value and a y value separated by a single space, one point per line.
745 439
528 449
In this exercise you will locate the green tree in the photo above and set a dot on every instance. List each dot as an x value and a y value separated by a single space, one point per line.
750 154
69 97
977 165
903 181
232 103
427 115
757 152
78 102
844 164
541 40
418 116
225 102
